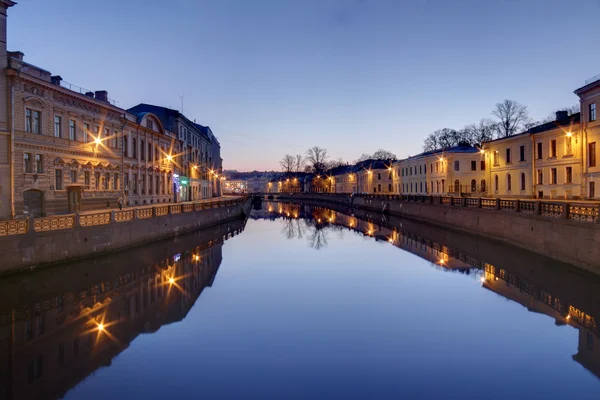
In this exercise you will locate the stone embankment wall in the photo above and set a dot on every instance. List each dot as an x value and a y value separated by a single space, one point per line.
567 232
39 242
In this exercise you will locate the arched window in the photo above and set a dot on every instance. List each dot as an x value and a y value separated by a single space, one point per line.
125 146
443 185
496 182
379 188
457 186
473 186
134 147
522 181
508 182
483 189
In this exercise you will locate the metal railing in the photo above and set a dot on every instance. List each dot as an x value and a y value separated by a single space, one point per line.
60 222
580 212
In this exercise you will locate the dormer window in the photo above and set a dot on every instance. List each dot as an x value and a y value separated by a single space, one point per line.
150 124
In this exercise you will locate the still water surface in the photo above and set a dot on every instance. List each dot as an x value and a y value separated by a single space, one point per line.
304 302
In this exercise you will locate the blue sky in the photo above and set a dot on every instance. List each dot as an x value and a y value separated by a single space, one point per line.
275 76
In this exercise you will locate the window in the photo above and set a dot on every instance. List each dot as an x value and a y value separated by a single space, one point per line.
508 160
457 186
508 182
116 181
97 180
390 187
149 150
483 185
57 126
482 167
107 181
32 121
150 181
58 181
86 132
437 167
457 165
568 145
71 129
73 174
379 175
553 148
569 175
592 193
540 175
27 160
39 166
86 179
539 151
142 150
134 147
125 146
135 184
150 123
592 154
553 176
522 181
473 185
379 187
473 165
126 182
157 184
496 156
522 153
592 109
496 182
107 137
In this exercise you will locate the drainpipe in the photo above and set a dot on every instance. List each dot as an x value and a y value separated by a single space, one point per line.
533 169
11 155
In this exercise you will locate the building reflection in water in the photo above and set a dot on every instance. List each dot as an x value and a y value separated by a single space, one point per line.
59 325
569 296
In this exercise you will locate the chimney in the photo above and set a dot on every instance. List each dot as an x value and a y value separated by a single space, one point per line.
16 55
89 94
56 79
102 95
562 115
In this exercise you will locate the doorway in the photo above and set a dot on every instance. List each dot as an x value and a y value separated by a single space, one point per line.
33 203
74 195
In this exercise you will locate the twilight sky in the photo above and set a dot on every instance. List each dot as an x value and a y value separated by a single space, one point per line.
279 76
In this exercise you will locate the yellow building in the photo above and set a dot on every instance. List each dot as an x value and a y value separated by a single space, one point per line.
589 97
374 176
543 162
510 171
456 171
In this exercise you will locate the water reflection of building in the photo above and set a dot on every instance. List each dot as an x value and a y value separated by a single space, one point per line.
58 326
565 304
539 284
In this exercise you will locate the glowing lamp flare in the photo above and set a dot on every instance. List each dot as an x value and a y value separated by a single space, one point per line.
97 140
171 281
100 327
482 279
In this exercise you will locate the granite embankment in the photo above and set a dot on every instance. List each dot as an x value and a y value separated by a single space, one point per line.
40 242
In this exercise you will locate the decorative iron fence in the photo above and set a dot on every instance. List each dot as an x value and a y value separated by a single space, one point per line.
60 222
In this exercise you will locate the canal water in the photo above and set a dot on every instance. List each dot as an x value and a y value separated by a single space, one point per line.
304 302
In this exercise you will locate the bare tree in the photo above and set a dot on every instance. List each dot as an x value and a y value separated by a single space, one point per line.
335 163
363 157
382 154
316 157
481 132
299 164
288 163
512 116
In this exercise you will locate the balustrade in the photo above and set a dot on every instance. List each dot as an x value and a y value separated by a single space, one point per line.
583 213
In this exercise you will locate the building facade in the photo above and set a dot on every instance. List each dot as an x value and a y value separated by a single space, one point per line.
589 98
